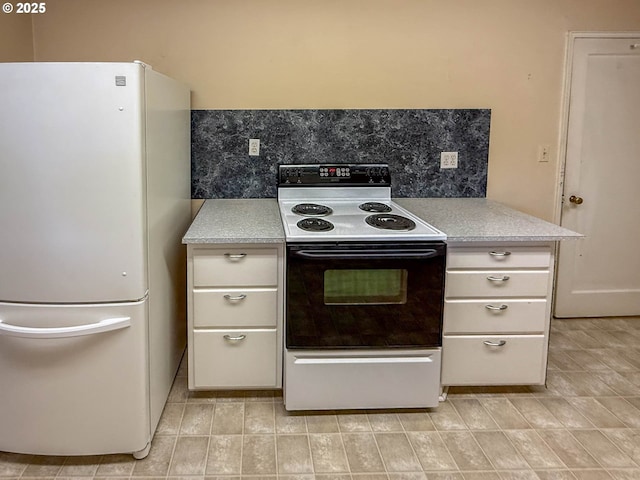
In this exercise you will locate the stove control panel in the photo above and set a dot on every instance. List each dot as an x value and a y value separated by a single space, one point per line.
346 174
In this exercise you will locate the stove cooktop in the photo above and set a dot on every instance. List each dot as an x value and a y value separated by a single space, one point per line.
348 222
345 203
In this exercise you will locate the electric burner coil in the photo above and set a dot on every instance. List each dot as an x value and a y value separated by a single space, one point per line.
315 225
312 210
388 221
375 207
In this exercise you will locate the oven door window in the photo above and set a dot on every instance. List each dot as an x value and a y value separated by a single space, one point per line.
365 286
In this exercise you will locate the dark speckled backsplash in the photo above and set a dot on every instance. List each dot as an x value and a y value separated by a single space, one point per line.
410 141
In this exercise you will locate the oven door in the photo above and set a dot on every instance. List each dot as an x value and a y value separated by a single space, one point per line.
365 295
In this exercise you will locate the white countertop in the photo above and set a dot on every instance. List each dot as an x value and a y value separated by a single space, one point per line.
462 219
482 220
236 221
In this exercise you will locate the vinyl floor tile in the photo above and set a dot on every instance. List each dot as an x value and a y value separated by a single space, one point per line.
602 449
225 455
431 451
474 414
328 453
396 451
535 413
294 455
500 450
362 451
465 451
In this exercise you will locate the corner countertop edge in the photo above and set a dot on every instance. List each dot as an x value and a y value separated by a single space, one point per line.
253 220
484 220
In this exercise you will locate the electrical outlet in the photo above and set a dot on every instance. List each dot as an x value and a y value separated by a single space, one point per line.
543 153
448 160
254 147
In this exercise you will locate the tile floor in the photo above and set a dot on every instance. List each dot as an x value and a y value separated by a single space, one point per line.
584 426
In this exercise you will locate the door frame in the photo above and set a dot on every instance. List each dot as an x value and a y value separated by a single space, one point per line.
564 113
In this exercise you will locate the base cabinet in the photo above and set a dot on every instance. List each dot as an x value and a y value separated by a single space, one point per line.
235 311
497 314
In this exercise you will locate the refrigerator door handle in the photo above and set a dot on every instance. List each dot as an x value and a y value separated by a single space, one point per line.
62 332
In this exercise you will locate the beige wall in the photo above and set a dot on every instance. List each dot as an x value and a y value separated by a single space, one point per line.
506 55
16 38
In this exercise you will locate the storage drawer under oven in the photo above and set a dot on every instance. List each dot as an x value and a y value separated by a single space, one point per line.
320 380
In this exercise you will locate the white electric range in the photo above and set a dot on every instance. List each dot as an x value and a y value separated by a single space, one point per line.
364 292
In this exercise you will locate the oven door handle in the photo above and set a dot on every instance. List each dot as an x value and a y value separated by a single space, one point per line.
346 254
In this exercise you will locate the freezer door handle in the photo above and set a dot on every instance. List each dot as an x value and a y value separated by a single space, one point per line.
62 332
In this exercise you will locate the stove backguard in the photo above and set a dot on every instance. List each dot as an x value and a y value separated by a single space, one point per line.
343 175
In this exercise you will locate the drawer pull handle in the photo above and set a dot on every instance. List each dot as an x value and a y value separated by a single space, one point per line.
235 256
237 298
493 307
489 343
499 254
503 278
229 338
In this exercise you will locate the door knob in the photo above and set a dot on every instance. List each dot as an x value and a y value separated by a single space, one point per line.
576 200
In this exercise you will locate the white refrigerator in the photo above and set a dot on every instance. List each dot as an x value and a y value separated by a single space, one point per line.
94 200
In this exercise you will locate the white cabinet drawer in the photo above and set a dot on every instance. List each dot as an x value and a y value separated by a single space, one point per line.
499 257
467 360
235 267
497 284
339 380
233 308
235 358
495 316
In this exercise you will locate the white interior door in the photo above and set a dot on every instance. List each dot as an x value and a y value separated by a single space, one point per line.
600 274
